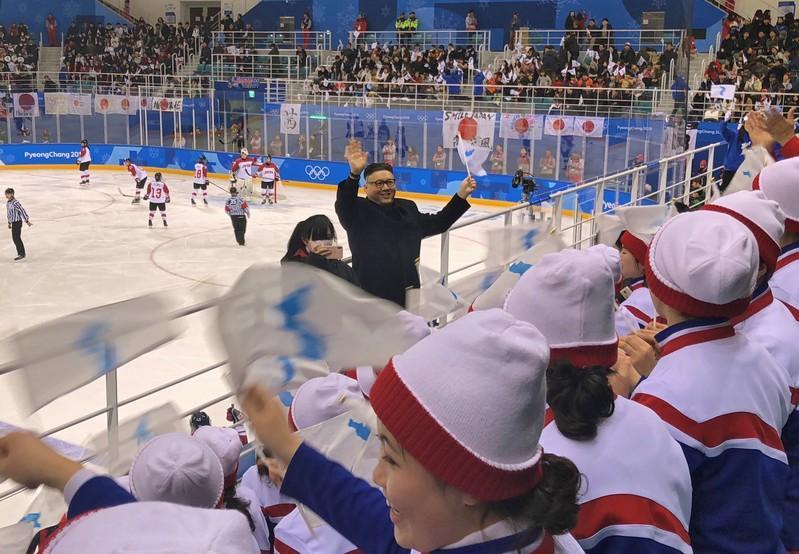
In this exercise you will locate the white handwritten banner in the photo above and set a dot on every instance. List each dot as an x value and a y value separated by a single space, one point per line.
475 127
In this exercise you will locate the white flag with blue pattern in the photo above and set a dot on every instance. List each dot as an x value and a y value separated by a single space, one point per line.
506 244
133 433
65 354
298 311
473 157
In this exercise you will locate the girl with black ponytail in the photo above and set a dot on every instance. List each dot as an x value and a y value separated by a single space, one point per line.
636 494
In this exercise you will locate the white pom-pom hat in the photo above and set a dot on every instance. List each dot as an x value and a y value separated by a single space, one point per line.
468 403
703 264
569 297
780 182
226 444
322 398
763 217
176 468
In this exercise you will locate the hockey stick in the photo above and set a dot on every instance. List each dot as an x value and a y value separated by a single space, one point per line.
219 187
125 195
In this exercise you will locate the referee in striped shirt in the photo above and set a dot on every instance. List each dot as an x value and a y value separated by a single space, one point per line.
16 215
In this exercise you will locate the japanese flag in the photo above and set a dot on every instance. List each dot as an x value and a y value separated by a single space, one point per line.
589 126
65 354
559 125
473 157
298 311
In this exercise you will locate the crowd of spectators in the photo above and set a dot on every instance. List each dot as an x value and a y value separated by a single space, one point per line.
760 57
121 56
19 56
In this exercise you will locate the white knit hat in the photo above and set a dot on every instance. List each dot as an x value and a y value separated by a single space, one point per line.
322 398
160 527
780 182
468 403
763 217
226 444
176 468
703 264
569 297
612 259
640 225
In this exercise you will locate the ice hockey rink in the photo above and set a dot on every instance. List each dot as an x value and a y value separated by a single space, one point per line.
89 246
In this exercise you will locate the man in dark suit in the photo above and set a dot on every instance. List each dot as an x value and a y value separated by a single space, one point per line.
385 233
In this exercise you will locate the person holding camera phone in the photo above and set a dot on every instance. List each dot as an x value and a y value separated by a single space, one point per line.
313 242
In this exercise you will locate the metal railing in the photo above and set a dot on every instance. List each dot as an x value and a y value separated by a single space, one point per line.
481 40
261 65
599 102
638 38
580 232
263 40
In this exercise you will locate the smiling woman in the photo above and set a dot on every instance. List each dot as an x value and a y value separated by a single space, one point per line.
446 481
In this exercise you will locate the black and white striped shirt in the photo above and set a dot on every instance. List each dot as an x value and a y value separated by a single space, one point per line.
15 211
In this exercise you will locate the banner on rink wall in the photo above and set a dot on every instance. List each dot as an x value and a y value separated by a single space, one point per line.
55 103
477 127
115 104
520 126
589 126
559 125
26 104
162 104
290 119
79 104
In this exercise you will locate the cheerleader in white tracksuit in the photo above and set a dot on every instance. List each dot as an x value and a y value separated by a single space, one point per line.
636 496
778 183
722 396
316 401
448 483
84 161
768 322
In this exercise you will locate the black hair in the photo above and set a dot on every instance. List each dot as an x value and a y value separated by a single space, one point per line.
10 191
157 175
199 419
378 166
233 502
580 397
316 227
552 504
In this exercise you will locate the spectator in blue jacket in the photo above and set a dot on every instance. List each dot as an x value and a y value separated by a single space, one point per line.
734 156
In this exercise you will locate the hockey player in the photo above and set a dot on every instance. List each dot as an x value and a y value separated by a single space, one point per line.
140 176
84 161
270 176
200 181
243 169
158 195
238 210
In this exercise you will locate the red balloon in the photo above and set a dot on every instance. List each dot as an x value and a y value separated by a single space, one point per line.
521 125
468 128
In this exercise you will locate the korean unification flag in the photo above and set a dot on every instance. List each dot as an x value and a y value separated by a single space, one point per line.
506 244
297 311
726 92
755 159
473 157
65 354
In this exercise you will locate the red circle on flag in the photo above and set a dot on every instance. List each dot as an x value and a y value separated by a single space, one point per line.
26 101
468 128
76 103
125 103
521 125
164 103
588 126
143 102
104 103
558 124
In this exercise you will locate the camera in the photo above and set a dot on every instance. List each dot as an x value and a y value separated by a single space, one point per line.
524 180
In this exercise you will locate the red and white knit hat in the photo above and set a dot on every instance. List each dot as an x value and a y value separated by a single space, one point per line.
703 264
468 403
322 398
176 468
226 444
780 182
577 285
640 224
763 217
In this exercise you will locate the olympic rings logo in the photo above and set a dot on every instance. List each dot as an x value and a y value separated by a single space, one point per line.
317 173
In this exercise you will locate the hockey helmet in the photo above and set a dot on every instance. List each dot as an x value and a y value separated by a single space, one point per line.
203 159
268 157
157 176
84 142
244 153
199 419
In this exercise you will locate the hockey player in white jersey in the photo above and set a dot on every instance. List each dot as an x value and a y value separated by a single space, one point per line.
243 170
140 176
158 195
200 181
270 176
84 161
